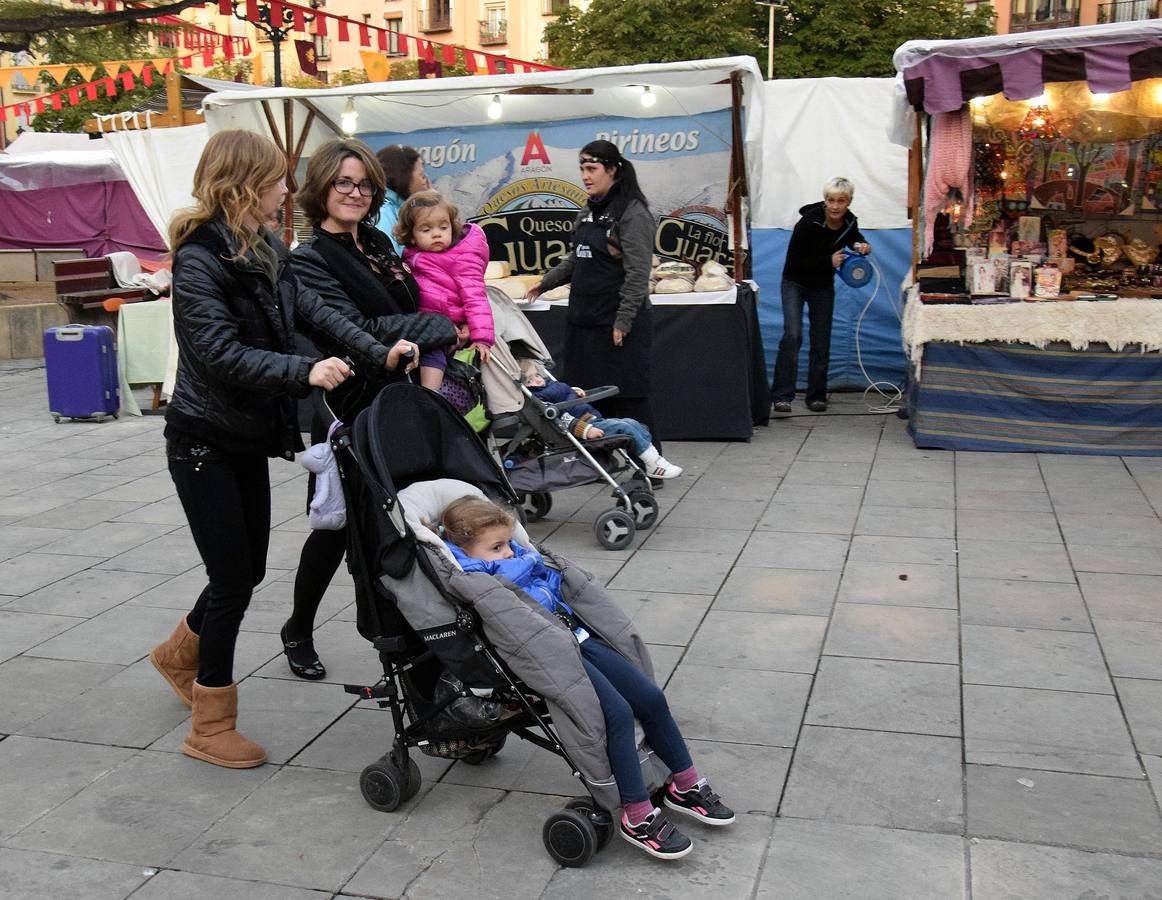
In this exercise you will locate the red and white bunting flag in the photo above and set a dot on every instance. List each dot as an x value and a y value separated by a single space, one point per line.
321 25
276 13
128 82
252 11
55 100
449 53
381 40
300 19
39 105
91 90
364 36
402 40
343 34
74 95
147 75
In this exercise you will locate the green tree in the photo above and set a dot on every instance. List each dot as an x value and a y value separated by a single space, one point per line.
816 38
614 32
90 45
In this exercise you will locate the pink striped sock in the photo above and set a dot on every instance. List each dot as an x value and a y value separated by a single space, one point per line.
686 779
637 811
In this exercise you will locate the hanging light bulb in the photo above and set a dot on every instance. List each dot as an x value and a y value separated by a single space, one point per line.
649 98
495 110
349 117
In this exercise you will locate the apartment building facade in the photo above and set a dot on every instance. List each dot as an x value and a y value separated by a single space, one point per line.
1037 15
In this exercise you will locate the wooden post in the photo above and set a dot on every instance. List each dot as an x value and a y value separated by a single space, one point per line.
915 182
173 98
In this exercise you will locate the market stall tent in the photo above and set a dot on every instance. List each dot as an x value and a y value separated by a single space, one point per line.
68 191
300 120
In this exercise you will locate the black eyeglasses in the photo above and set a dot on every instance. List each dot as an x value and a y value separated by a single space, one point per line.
346 186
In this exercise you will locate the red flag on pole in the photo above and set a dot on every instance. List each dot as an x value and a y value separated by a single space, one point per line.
307 62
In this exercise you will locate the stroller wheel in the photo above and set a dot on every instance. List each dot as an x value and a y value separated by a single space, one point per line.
570 838
385 787
536 505
615 529
644 508
602 821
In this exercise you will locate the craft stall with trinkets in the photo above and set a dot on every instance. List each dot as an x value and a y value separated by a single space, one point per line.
1033 321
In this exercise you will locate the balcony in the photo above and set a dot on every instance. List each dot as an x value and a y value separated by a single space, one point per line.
436 19
554 7
1127 11
492 33
1041 21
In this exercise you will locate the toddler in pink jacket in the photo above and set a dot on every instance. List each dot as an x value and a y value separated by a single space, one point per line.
448 259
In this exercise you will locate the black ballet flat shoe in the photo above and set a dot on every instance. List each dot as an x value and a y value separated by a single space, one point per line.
302 659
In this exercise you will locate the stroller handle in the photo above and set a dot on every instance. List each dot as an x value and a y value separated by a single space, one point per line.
552 410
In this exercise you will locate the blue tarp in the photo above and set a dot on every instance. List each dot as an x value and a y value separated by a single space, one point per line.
879 331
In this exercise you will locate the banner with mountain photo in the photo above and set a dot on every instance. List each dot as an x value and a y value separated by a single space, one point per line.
520 182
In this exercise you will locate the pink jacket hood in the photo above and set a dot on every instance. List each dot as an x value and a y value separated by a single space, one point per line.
452 282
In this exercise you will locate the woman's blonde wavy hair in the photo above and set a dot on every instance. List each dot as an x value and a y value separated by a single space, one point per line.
236 168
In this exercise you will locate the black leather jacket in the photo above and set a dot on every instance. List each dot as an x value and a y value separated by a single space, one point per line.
238 372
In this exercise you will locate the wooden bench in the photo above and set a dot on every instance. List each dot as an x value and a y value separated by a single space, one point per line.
84 285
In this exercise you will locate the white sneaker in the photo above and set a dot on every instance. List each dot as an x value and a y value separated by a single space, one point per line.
663 468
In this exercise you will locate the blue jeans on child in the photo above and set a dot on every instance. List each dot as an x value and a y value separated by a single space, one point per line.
632 427
626 694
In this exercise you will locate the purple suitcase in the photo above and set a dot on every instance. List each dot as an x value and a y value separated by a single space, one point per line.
81 366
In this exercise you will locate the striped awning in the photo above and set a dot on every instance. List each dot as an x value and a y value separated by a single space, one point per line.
941 76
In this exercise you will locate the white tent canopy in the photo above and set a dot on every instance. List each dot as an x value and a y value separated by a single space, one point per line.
680 88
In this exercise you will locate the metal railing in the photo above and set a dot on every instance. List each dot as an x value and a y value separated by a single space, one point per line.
1055 17
1126 11
495 32
436 19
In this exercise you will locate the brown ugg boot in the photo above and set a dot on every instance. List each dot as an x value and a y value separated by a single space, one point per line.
177 661
213 737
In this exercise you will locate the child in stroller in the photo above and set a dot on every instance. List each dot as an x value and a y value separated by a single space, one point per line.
404 461
587 423
479 534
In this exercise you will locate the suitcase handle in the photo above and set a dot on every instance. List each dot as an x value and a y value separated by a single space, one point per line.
70 333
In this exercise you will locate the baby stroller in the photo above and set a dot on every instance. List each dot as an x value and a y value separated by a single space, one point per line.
467 658
539 452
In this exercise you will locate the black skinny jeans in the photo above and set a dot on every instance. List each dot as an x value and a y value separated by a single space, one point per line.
227 503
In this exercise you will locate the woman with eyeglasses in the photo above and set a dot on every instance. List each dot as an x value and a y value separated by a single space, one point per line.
356 271
236 307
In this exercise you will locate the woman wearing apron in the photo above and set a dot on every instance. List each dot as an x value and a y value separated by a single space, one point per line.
609 327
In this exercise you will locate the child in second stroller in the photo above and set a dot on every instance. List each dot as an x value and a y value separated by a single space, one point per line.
480 535
587 423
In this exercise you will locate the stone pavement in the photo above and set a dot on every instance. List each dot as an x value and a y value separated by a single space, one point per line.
915 674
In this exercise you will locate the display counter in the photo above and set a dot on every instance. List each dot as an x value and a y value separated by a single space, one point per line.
709 373
1053 376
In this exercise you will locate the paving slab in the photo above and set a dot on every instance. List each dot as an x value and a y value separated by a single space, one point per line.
1003 870
855 777
1131 597
1142 704
813 860
898 584
1131 648
1023 604
1058 730
31 686
1009 561
29 874
1008 525
921 523
794 550
886 695
748 640
1088 812
760 589
1034 658
738 705
893 632
918 550
815 518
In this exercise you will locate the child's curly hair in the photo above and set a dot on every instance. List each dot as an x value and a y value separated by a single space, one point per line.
409 213
466 517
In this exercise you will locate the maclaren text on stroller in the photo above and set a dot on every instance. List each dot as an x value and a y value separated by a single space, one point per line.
468 658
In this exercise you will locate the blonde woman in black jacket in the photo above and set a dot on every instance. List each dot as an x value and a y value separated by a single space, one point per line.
236 306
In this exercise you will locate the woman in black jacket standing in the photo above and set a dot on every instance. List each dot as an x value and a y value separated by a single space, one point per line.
236 305
355 270
609 326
